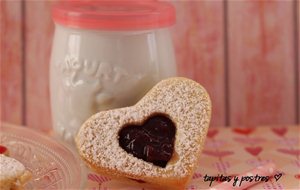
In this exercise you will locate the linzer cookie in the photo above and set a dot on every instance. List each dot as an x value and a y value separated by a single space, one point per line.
158 140
13 174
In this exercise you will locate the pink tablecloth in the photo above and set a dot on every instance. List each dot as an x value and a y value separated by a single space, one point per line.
232 151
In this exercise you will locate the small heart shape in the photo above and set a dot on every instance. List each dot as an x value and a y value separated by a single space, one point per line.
212 132
277 176
183 102
295 152
243 131
254 151
280 131
153 141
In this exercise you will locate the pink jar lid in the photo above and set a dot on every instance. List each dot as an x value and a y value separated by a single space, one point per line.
114 15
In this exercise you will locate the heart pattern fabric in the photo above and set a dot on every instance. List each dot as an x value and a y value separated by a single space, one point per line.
243 131
249 140
254 151
219 154
212 133
280 131
289 151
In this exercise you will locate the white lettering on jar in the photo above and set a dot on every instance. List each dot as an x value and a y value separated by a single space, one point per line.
88 86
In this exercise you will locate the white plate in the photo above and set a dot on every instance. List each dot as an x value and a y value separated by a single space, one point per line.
53 166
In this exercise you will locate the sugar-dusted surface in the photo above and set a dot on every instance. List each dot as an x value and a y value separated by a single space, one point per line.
10 168
183 100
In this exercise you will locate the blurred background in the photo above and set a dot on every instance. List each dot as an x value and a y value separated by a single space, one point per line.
245 52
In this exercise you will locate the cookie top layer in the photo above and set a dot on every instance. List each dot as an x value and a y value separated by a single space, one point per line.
10 168
184 101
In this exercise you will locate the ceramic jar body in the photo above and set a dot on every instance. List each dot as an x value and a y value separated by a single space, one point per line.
94 70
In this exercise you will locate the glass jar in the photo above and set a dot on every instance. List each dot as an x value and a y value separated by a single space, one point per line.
105 55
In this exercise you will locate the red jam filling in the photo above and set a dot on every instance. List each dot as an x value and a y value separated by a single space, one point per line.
3 149
153 141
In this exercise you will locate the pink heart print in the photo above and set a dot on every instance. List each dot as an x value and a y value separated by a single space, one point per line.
211 133
280 131
243 131
254 151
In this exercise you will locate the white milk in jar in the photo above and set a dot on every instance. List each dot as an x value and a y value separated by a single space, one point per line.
106 55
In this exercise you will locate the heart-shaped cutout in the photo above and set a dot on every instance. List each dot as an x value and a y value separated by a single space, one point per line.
153 141
183 101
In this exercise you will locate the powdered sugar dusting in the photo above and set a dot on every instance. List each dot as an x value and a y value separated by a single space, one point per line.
10 168
184 101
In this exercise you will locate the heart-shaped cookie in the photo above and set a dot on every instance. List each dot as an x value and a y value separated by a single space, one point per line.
158 140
